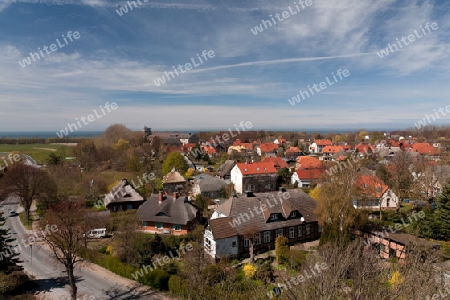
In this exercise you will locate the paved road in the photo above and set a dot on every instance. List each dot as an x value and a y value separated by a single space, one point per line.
92 280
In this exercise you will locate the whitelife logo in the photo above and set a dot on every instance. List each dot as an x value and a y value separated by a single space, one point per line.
35 56
411 38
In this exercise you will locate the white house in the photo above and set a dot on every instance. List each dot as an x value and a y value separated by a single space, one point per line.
220 239
374 194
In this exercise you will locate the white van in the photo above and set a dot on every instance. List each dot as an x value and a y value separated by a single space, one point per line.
97 233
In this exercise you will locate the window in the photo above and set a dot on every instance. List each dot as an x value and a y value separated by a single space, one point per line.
291 232
158 225
130 206
144 223
300 231
279 232
274 217
257 239
268 186
293 214
320 229
246 242
233 244
208 244
114 208
266 236
308 229
388 202
176 227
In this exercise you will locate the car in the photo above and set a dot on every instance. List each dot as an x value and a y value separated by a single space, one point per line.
12 213
97 233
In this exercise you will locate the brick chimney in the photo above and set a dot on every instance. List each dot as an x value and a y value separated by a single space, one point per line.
175 195
160 197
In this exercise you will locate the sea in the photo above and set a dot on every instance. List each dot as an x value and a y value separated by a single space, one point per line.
47 134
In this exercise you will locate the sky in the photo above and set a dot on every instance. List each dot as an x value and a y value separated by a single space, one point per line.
119 56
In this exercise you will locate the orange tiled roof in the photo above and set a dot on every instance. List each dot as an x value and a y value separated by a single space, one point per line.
308 162
364 148
293 150
332 149
237 142
209 149
424 149
371 185
309 173
268 147
256 168
247 146
323 142
277 162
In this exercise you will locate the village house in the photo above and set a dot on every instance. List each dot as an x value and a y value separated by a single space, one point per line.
332 152
308 162
374 194
208 186
255 177
224 171
173 182
277 162
318 145
393 245
122 197
293 153
305 177
266 148
168 214
256 220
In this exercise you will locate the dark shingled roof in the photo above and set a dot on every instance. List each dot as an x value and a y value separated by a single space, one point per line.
221 228
171 210
209 183
226 167
242 209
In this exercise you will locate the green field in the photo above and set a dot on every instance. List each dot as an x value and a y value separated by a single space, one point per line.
39 152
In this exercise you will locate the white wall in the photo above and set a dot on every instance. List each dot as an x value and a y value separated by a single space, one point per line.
236 179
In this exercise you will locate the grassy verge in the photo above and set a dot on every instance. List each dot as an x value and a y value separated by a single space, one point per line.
27 224
39 152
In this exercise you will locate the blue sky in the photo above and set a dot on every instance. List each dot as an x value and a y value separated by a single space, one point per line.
250 78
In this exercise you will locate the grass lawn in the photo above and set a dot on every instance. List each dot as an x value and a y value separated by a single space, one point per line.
406 207
39 152
24 221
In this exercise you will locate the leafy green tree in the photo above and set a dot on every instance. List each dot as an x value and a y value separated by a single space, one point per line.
177 161
284 175
442 213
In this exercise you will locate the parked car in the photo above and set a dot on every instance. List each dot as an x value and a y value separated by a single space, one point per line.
12 213
97 233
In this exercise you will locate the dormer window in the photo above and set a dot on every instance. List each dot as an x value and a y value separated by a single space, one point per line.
273 217
161 214
293 214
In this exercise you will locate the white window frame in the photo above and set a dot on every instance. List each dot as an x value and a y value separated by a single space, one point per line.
300 231
246 242
291 232
159 223
266 237
273 217
257 239
308 229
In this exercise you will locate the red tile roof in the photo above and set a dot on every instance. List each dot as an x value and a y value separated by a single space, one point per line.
371 185
424 149
237 142
256 168
364 148
268 147
209 149
277 162
293 150
323 142
309 162
309 173
247 146
332 149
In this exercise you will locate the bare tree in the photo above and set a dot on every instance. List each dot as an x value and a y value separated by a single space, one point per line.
27 182
69 217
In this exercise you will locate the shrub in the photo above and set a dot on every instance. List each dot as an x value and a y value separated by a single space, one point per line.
177 286
157 278
281 249
250 270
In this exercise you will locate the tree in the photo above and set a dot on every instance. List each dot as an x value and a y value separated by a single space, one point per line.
53 159
442 213
281 249
114 133
335 205
27 182
285 175
70 218
175 160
